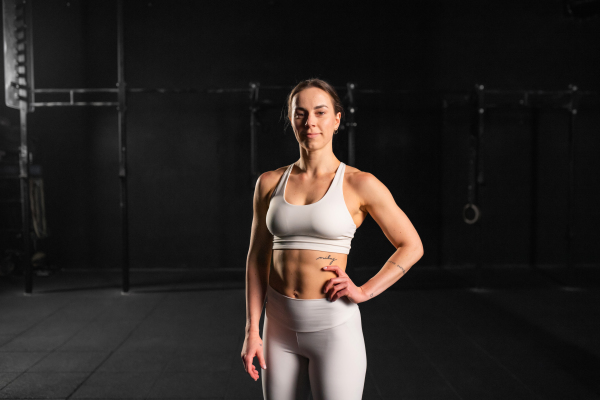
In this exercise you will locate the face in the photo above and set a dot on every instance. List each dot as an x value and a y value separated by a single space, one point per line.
314 118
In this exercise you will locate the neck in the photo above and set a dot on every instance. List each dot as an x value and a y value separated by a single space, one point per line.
317 162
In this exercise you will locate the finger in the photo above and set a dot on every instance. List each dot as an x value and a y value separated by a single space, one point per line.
338 286
249 364
341 293
333 268
336 290
245 362
256 374
252 372
261 360
336 269
331 282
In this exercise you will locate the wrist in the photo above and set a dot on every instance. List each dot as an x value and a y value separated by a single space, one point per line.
364 293
252 331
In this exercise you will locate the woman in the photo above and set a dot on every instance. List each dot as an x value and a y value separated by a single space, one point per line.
305 216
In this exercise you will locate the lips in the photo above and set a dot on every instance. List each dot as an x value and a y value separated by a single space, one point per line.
310 135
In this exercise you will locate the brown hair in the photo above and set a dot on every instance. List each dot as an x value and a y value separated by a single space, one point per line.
316 83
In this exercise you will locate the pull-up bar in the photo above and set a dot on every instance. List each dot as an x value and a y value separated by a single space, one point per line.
21 91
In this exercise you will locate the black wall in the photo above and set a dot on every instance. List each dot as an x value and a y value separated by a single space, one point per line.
59 139
189 154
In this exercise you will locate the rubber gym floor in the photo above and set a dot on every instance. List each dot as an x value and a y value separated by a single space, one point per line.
438 333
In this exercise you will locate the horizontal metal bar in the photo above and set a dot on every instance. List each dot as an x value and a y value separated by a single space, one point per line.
524 106
187 90
366 91
77 90
217 91
143 90
413 92
164 90
77 103
108 104
276 87
540 92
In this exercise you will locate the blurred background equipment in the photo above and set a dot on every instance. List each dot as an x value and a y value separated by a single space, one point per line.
582 8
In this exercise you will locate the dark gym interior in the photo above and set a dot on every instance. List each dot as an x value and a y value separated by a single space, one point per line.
141 127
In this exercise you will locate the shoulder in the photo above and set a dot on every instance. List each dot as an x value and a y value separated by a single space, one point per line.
366 186
361 180
267 181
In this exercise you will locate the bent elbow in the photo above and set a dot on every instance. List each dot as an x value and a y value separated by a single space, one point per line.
414 248
419 251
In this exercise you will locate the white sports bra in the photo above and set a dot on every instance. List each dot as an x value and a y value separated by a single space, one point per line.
325 225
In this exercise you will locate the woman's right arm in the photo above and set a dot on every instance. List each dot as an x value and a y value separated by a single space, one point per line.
258 263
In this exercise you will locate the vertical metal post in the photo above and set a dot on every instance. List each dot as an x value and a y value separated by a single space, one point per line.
533 238
24 163
440 252
122 108
25 90
351 124
477 136
573 105
254 107
29 55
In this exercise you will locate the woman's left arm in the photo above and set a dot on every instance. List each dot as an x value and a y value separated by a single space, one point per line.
377 200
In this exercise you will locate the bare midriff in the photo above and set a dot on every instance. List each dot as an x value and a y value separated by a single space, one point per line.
299 274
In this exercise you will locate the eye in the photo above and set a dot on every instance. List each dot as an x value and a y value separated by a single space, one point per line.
320 112
299 115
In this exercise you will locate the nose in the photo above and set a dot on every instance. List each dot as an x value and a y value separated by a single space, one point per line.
310 120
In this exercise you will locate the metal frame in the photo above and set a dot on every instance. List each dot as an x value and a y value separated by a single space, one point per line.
526 99
351 123
25 49
122 120
254 127
27 103
572 109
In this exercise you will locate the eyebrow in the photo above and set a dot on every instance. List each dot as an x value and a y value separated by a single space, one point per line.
317 107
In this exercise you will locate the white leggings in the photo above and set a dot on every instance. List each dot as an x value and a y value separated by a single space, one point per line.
312 345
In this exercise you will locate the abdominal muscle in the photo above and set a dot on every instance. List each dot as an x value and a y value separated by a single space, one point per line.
299 274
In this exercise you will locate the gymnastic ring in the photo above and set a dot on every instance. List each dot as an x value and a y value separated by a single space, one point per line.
475 210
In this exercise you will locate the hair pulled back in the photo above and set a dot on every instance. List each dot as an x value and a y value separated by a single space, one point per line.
315 83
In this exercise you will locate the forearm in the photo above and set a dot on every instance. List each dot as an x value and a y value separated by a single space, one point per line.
257 277
395 268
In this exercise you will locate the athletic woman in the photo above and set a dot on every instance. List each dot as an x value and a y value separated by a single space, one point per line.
305 216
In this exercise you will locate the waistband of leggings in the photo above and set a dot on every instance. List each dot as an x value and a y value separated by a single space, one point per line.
308 315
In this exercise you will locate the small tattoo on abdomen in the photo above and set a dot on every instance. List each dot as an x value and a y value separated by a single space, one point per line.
327 258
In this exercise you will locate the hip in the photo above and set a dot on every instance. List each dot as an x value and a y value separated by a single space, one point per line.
308 315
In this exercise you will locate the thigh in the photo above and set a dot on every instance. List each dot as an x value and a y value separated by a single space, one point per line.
337 360
286 376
